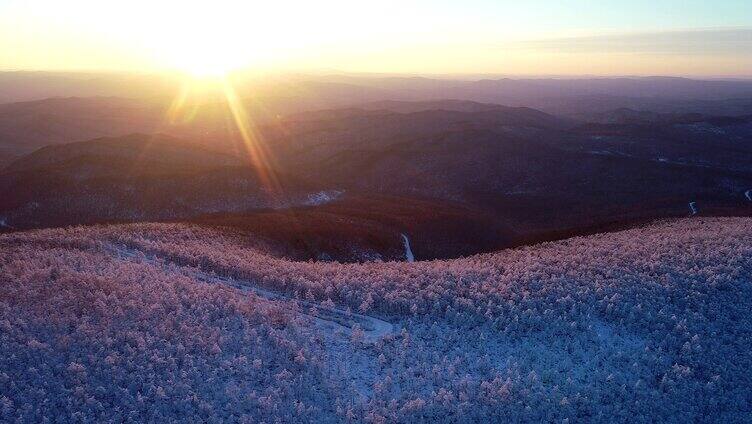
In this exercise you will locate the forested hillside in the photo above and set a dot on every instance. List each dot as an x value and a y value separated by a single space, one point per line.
176 322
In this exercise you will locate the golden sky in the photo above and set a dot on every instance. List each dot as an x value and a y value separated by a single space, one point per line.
536 37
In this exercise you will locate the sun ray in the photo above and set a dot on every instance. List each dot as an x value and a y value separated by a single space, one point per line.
253 143
176 107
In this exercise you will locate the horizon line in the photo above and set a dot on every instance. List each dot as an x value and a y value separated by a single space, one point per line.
427 75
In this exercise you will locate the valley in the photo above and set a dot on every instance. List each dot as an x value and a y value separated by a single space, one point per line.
459 177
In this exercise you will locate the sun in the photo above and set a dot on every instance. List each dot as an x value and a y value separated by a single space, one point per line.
208 56
206 67
215 38
208 40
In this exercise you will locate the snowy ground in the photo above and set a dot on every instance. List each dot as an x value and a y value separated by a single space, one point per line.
323 197
171 322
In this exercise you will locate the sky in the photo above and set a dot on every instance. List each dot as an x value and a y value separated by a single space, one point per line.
534 37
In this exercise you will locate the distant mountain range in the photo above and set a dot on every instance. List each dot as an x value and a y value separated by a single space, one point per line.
515 174
336 90
54 108
350 163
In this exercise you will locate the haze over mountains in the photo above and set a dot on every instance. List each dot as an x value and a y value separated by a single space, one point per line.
626 150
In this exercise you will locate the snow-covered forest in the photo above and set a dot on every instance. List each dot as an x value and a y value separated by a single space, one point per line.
173 322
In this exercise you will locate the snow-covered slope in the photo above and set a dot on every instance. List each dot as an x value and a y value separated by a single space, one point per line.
155 322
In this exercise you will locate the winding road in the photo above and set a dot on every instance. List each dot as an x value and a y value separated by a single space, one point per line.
408 252
329 319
